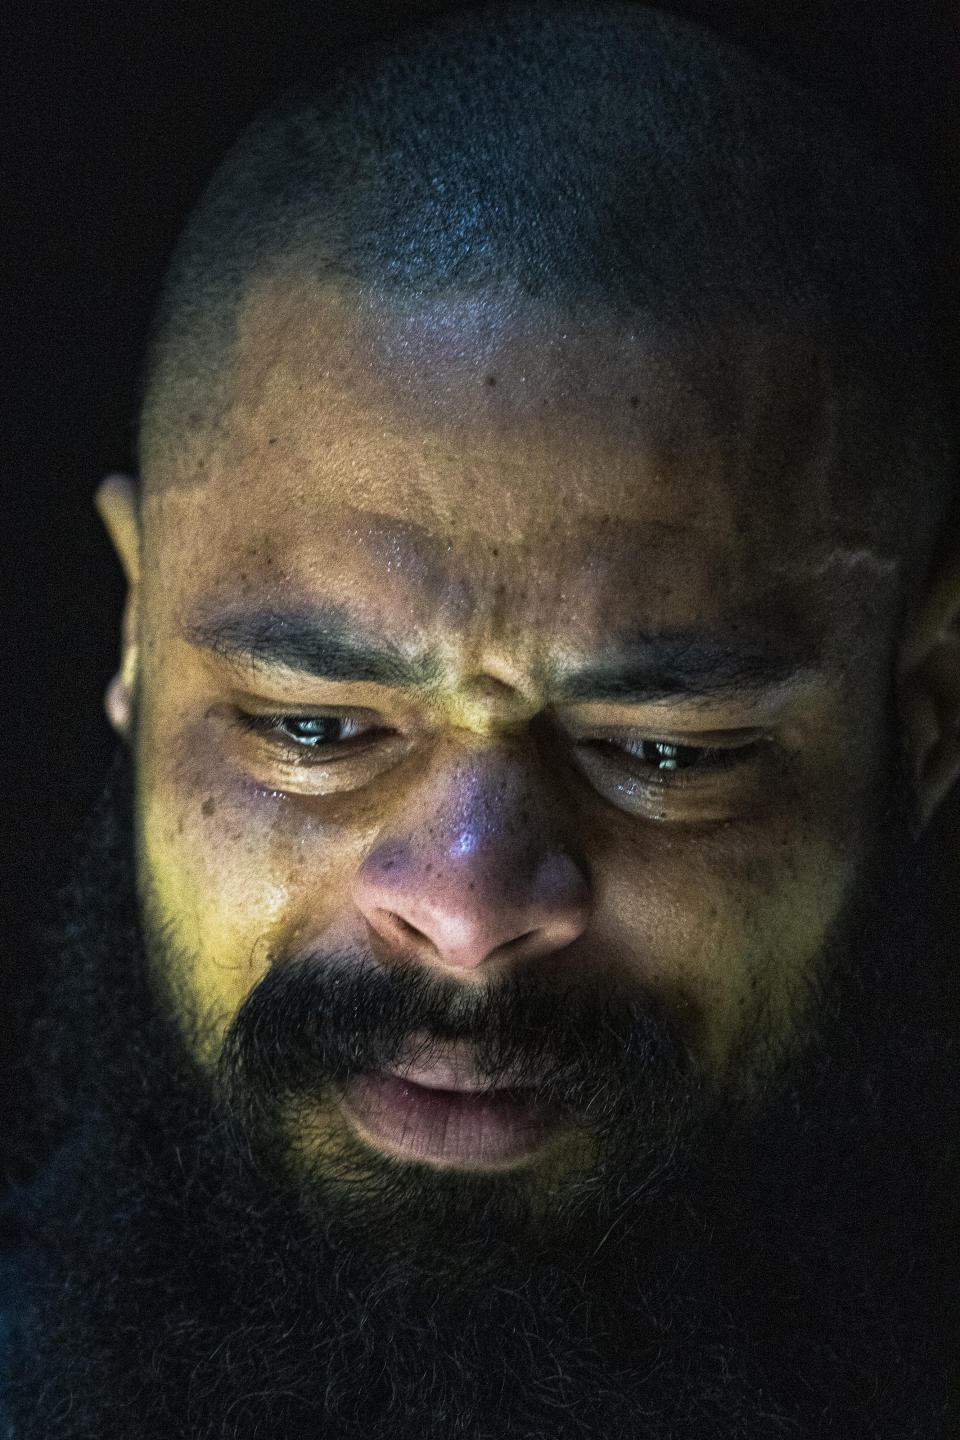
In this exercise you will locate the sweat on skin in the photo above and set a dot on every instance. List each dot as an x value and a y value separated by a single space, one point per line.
504 608
358 460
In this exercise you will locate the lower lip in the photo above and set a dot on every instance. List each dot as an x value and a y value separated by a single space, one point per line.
446 1127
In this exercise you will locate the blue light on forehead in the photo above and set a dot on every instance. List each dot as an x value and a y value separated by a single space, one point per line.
465 844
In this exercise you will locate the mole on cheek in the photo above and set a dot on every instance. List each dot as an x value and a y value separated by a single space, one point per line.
208 806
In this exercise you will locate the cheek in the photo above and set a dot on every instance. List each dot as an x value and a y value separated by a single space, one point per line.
727 928
231 869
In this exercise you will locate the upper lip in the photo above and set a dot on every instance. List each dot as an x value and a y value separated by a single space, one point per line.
453 1066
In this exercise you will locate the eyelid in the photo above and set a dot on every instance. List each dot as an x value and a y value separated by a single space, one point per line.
744 710
732 739
356 702
327 768
723 781
265 720
711 758
283 709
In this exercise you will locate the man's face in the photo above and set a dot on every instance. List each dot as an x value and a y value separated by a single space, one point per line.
489 648
525 1018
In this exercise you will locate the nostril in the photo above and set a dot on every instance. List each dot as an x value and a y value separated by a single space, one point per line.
516 943
389 935
397 922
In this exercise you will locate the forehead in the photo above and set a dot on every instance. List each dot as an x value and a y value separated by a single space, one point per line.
483 444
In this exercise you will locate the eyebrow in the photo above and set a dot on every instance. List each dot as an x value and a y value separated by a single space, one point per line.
329 643
325 643
688 664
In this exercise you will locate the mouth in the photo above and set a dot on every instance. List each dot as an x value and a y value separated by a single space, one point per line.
444 1113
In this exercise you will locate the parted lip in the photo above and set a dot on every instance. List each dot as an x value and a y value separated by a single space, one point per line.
453 1066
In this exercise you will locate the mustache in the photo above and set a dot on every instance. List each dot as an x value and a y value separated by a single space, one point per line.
320 1019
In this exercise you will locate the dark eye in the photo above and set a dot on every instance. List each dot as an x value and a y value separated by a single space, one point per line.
310 732
317 730
662 755
666 759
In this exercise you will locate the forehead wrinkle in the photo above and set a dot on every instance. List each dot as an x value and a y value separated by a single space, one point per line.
386 356
694 509
292 329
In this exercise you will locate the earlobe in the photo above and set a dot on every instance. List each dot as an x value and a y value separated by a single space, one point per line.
118 696
116 502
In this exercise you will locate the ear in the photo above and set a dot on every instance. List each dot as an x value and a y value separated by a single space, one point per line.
116 502
930 687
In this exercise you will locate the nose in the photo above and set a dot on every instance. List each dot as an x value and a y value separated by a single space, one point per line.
478 875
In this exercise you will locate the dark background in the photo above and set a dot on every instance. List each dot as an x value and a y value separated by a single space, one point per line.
117 113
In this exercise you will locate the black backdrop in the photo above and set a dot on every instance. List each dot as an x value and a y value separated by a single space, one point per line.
117 112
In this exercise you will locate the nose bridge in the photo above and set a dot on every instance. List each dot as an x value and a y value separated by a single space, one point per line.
488 813
478 863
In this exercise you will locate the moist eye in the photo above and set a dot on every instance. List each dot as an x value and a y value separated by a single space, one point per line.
308 732
313 729
666 758
663 756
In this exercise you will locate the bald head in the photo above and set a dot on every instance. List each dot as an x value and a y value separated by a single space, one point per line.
609 164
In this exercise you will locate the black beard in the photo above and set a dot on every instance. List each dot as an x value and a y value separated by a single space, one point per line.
726 1273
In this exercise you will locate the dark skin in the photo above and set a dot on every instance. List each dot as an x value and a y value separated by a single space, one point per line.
513 501
507 684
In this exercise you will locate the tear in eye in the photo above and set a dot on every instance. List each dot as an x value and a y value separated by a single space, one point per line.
316 729
307 732
664 756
